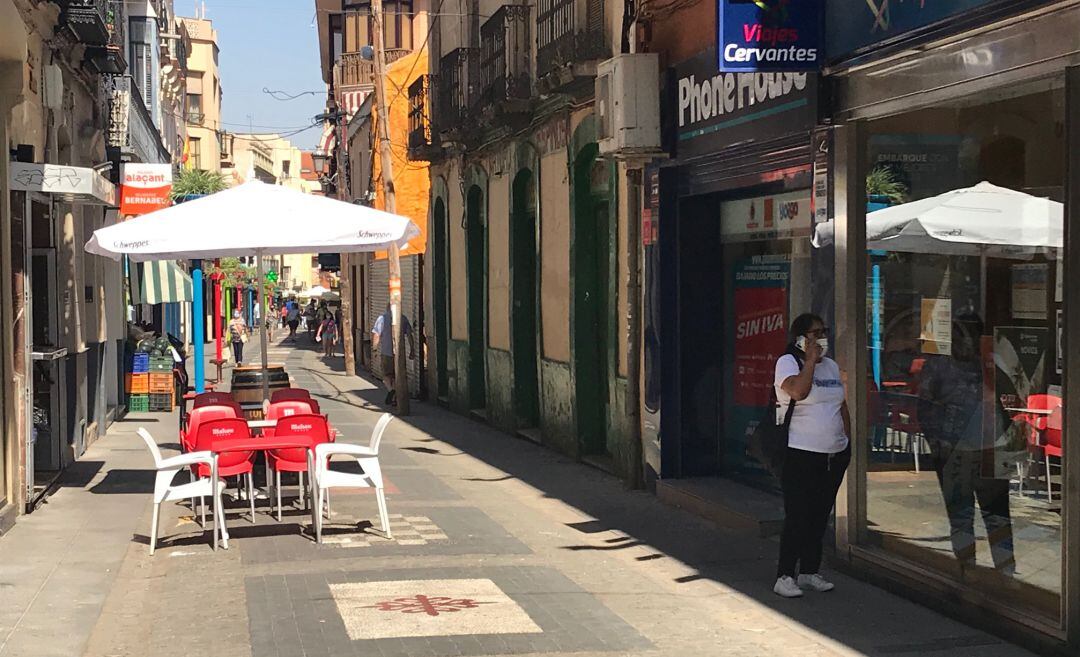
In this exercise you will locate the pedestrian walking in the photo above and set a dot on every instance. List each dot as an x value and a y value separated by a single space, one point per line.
809 387
284 314
292 318
238 334
383 341
327 335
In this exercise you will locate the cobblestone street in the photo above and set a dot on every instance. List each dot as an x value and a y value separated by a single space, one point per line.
500 547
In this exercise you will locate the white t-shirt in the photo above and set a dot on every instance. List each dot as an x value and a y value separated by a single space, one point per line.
816 423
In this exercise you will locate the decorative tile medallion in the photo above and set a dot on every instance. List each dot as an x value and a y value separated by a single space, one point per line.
428 607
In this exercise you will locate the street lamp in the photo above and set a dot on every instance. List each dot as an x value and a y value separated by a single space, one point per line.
320 159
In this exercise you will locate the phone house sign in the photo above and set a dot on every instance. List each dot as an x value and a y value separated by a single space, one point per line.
729 93
713 109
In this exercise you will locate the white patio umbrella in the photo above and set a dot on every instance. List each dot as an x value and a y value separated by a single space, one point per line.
253 219
984 219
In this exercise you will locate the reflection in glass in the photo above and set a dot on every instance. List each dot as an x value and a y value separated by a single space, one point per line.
964 294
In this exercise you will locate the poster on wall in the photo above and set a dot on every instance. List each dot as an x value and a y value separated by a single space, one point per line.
935 320
924 165
1019 370
769 35
761 320
145 187
1029 282
766 217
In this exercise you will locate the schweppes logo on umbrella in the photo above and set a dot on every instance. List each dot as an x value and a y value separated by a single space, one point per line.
145 187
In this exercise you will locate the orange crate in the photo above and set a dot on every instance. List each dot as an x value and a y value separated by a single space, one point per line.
138 384
161 383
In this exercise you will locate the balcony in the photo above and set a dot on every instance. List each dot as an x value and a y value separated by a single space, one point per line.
195 118
86 20
351 70
505 83
457 71
131 130
570 41
109 57
422 145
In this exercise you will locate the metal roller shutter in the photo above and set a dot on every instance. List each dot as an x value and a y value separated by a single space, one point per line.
378 286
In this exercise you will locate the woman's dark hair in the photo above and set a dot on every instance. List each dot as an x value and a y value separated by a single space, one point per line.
799 326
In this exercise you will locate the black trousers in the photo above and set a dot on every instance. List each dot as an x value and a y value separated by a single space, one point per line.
960 475
238 351
810 481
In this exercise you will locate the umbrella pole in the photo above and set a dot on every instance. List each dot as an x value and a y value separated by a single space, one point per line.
262 325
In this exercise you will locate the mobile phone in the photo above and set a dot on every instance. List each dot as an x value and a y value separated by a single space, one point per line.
800 342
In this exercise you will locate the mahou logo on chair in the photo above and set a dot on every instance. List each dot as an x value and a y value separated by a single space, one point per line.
145 188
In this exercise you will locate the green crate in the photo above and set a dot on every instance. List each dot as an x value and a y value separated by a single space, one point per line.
139 403
161 364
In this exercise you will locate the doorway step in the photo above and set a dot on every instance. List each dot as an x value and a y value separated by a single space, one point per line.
725 502
532 434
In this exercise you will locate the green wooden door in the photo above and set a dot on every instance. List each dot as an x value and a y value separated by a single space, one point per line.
523 263
476 268
441 289
591 309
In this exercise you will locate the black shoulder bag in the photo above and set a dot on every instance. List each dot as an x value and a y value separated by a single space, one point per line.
769 442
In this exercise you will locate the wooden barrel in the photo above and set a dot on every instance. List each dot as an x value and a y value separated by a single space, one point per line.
247 383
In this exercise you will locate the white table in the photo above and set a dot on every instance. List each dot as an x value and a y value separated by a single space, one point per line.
261 424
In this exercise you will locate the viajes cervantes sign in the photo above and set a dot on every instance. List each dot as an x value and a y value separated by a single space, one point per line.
769 35
145 187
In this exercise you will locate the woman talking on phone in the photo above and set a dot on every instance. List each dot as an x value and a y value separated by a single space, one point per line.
817 455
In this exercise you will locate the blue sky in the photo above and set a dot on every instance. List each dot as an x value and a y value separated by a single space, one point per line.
271 44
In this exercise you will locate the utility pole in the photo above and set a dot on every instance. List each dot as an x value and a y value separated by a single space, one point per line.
401 373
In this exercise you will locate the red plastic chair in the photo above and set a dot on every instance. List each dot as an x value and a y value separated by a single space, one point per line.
283 409
288 394
230 464
294 459
212 399
204 414
1051 445
1038 433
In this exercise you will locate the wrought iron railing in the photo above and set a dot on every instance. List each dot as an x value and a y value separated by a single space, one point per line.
110 56
504 57
455 96
569 31
420 133
86 20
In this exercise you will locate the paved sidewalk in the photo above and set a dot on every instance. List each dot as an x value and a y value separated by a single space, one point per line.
500 547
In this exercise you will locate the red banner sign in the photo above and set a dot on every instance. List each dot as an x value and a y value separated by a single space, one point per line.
145 188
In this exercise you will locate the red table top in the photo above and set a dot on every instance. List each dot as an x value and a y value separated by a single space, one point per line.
256 444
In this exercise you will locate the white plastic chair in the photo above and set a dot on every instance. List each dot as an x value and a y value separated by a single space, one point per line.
166 491
367 457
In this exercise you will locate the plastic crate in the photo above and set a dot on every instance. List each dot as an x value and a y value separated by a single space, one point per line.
161 401
161 382
140 363
137 383
161 364
139 403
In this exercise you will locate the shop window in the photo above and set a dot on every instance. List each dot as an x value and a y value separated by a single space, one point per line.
964 377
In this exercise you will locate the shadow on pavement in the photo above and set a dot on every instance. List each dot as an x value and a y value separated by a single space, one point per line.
743 563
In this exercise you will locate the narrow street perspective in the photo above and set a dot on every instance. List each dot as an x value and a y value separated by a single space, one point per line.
409 328
499 547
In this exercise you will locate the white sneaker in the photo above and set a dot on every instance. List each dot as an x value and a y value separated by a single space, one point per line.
815 582
786 587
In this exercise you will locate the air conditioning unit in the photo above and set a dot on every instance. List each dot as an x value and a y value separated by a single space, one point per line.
628 106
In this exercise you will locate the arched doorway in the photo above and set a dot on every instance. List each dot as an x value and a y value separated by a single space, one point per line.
591 260
476 266
441 290
523 263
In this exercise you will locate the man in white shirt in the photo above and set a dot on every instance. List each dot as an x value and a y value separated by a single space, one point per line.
382 336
